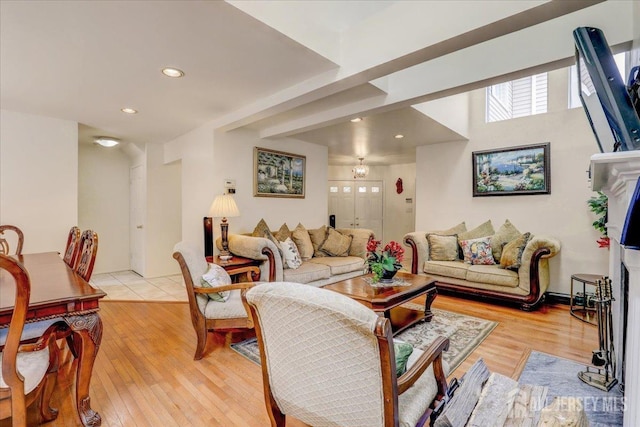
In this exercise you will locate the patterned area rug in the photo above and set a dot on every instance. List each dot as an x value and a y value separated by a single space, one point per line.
465 333
603 409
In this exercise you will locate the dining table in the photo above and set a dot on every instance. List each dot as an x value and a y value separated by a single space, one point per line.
59 294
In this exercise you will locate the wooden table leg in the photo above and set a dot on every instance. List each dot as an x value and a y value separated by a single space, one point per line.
87 335
430 297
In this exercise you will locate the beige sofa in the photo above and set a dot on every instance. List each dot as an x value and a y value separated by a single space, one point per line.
316 271
525 287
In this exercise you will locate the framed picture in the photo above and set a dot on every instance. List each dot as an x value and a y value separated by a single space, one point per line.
512 171
278 174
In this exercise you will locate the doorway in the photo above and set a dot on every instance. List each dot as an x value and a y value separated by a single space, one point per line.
136 221
357 204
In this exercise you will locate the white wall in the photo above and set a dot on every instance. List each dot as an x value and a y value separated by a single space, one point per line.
444 182
103 203
39 178
234 160
398 215
163 213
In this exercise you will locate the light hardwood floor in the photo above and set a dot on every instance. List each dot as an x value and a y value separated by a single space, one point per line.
145 374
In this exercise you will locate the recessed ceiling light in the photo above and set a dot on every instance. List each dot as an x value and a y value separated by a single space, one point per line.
172 72
106 141
399 136
129 110
356 120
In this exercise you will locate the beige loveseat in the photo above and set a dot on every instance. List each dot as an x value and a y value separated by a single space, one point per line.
318 270
524 283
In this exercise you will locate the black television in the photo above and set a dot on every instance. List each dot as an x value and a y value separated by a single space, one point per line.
603 93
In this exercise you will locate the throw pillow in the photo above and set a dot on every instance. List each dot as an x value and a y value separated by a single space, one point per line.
302 240
290 254
402 350
283 233
336 243
506 233
260 229
442 248
483 230
460 228
318 237
216 276
512 252
270 236
477 251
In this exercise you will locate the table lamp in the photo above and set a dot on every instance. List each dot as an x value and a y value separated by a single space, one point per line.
224 206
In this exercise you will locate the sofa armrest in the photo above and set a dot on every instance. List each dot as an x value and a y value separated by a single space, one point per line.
261 249
534 268
417 243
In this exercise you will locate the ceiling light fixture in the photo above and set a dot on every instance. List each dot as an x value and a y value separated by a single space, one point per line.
106 141
399 136
172 72
356 119
360 171
129 110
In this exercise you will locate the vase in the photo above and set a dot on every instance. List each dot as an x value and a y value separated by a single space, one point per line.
387 276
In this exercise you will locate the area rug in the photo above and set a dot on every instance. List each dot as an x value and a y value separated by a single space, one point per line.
561 377
465 333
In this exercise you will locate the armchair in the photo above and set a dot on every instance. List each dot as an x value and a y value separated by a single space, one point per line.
207 315
327 360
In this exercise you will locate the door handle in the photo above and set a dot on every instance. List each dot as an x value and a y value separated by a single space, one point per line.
138 226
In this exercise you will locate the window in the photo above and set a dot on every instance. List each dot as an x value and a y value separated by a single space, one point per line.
333 189
362 189
517 98
587 84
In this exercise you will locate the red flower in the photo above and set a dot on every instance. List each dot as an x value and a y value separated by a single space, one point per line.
603 242
395 250
372 245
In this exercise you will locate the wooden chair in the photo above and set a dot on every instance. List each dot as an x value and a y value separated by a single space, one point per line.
327 360
87 254
28 370
73 247
207 315
4 244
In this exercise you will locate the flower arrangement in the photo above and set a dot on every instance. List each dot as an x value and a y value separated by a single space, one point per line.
384 264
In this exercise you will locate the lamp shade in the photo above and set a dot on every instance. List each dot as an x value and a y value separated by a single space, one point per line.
224 206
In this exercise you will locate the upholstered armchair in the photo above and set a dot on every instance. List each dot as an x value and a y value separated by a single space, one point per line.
327 360
208 314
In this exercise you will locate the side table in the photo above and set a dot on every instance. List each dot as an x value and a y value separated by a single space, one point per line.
579 307
235 262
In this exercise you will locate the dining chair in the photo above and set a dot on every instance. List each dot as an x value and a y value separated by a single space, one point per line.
207 314
87 254
4 243
328 360
28 370
73 246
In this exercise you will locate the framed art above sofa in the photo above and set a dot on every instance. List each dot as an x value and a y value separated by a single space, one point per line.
512 171
278 174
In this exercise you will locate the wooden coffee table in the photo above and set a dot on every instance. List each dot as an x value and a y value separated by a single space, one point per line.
386 301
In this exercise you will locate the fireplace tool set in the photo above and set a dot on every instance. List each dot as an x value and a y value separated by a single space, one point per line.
603 359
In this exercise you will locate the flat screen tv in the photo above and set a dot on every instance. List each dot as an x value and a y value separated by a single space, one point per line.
606 100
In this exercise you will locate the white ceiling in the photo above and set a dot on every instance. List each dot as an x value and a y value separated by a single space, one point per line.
297 69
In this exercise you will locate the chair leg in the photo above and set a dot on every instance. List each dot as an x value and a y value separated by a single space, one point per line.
201 334
46 411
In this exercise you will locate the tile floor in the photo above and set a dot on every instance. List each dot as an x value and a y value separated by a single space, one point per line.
130 286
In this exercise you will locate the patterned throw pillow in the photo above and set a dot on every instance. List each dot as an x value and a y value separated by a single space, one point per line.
402 350
318 236
283 233
260 228
512 252
290 254
442 248
216 276
477 251
336 243
506 233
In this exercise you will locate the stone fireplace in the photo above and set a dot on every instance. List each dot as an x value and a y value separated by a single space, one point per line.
616 175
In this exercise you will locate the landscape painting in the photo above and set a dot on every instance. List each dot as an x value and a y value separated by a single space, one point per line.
278 174
512 171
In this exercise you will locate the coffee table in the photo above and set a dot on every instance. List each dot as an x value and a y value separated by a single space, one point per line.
387 300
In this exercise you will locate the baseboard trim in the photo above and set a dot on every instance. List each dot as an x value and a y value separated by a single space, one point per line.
557 298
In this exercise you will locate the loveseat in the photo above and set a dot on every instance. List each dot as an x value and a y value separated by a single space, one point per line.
514 269
327 256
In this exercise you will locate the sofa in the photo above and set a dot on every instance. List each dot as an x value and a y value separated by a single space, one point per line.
515 269
321 262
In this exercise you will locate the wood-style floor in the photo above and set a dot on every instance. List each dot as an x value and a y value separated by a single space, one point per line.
145 374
